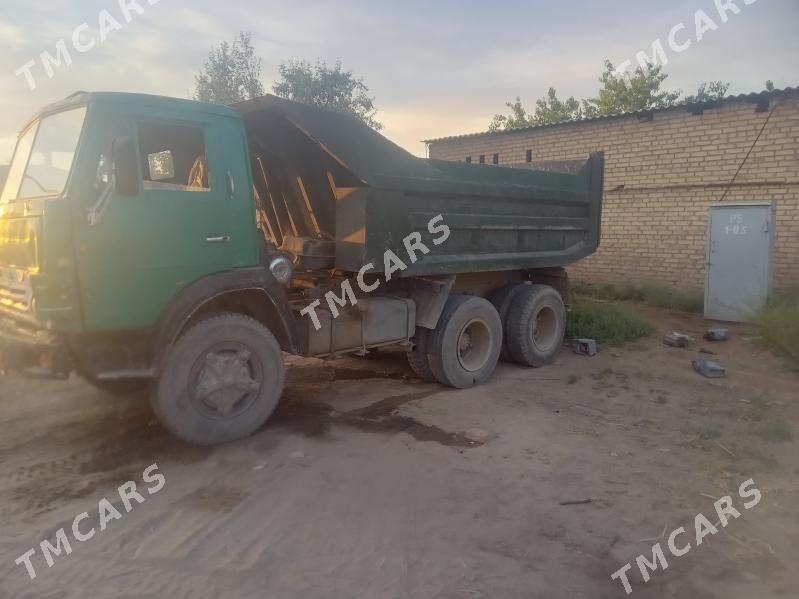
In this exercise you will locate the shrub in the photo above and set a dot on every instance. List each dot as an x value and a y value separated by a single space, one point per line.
606 323
778 324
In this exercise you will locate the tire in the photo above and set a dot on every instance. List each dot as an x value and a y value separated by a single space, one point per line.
502 299
417 356
220 381
463 350
535 326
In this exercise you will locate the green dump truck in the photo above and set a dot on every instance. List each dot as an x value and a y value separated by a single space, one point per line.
182 247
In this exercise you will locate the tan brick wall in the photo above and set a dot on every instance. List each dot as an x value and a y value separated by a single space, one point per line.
661 177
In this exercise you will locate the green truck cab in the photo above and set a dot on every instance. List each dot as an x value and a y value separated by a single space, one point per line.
181 247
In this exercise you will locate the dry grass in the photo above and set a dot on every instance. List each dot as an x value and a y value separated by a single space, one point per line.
778 324
649 293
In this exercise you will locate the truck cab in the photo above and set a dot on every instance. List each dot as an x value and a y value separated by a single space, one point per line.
114 206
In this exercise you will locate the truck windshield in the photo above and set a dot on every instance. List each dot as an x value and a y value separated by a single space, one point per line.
43 158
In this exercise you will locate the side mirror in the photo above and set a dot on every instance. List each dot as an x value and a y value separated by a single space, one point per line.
125 165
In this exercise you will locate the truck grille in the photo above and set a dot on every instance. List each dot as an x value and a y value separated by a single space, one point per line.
16 294
18 243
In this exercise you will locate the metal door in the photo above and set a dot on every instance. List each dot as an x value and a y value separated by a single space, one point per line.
739 259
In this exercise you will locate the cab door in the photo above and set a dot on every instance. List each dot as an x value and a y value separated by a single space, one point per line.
136 252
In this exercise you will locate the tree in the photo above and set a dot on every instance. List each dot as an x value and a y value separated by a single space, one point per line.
708 92
517 119
620 93
552 110
769 86
630 92
231 74
549 109
321 85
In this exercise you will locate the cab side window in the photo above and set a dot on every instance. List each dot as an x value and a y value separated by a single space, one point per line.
173 157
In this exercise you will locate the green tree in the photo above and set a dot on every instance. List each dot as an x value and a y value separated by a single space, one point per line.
231 74
517 119
708 92
630 92
328 87
549 109
770 86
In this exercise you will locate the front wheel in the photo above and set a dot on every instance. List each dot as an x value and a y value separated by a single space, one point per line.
221 381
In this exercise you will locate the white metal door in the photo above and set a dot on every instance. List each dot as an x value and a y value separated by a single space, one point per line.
739 259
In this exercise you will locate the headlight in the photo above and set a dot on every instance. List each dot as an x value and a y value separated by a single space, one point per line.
282 269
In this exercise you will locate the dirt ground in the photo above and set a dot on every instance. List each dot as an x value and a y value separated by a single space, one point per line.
371 484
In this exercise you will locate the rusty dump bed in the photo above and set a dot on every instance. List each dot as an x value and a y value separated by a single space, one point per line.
330 181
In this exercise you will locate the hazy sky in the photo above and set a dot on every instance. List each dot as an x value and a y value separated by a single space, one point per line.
435 68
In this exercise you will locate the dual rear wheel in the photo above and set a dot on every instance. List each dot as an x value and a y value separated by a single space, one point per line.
522 323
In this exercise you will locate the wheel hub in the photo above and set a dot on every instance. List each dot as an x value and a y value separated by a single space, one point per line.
544 329
474 345
226 381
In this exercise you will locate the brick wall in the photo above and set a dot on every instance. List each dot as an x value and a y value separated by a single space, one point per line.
661 177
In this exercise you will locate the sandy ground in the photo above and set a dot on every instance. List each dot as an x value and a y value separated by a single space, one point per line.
368 483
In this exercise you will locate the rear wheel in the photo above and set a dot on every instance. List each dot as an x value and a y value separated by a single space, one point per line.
463 350
535 326
417 356
221 381
502 299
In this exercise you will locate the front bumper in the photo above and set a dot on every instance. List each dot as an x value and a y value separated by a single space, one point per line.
23 344
24 333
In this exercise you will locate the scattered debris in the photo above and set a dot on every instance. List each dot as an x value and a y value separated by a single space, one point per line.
576 502
676 339
717 334
585 347
662 536
709 369
477 435
704 350
724 448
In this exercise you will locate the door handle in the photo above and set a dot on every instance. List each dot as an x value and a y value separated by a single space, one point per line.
220 239
231 185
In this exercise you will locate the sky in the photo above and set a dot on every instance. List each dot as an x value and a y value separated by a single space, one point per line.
435 68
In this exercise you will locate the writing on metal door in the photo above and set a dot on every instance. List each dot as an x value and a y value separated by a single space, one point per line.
736 225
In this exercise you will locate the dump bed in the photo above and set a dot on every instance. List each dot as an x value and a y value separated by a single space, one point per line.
325 176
